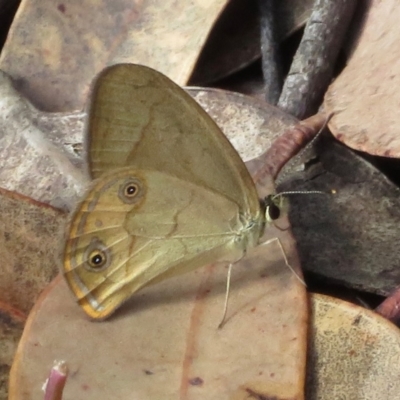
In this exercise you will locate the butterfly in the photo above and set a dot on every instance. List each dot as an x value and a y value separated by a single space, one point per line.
168 194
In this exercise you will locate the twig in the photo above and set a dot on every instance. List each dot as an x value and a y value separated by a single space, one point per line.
54 386
311 70
390 307
284 148
269 51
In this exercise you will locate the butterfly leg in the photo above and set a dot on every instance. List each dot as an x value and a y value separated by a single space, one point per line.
228 279
276 239
228 284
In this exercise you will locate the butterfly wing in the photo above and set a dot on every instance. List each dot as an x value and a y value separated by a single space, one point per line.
139 117
197 202
119 243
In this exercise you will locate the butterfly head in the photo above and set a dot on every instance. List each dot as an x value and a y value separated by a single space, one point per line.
273 207
275 203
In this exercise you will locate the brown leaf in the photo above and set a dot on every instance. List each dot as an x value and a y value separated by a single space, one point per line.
29 239
170 331
352 236
54 49
35 154
11 327
365 96
353 354
234 41
250 124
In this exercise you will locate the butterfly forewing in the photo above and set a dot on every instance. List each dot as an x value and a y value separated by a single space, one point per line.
139 117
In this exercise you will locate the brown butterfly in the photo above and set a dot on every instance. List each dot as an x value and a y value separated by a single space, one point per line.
169 192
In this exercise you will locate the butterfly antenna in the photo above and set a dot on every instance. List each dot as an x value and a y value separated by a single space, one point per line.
333 191
228 285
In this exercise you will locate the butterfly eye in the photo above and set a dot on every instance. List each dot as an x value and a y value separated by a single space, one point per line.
272 209
273 212
97 256
97 259
131 191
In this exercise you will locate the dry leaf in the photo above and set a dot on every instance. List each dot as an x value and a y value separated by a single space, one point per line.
249 123
365 96
11 327
35 160
29 238
350 237
170 329
234 41
353 354
54 49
